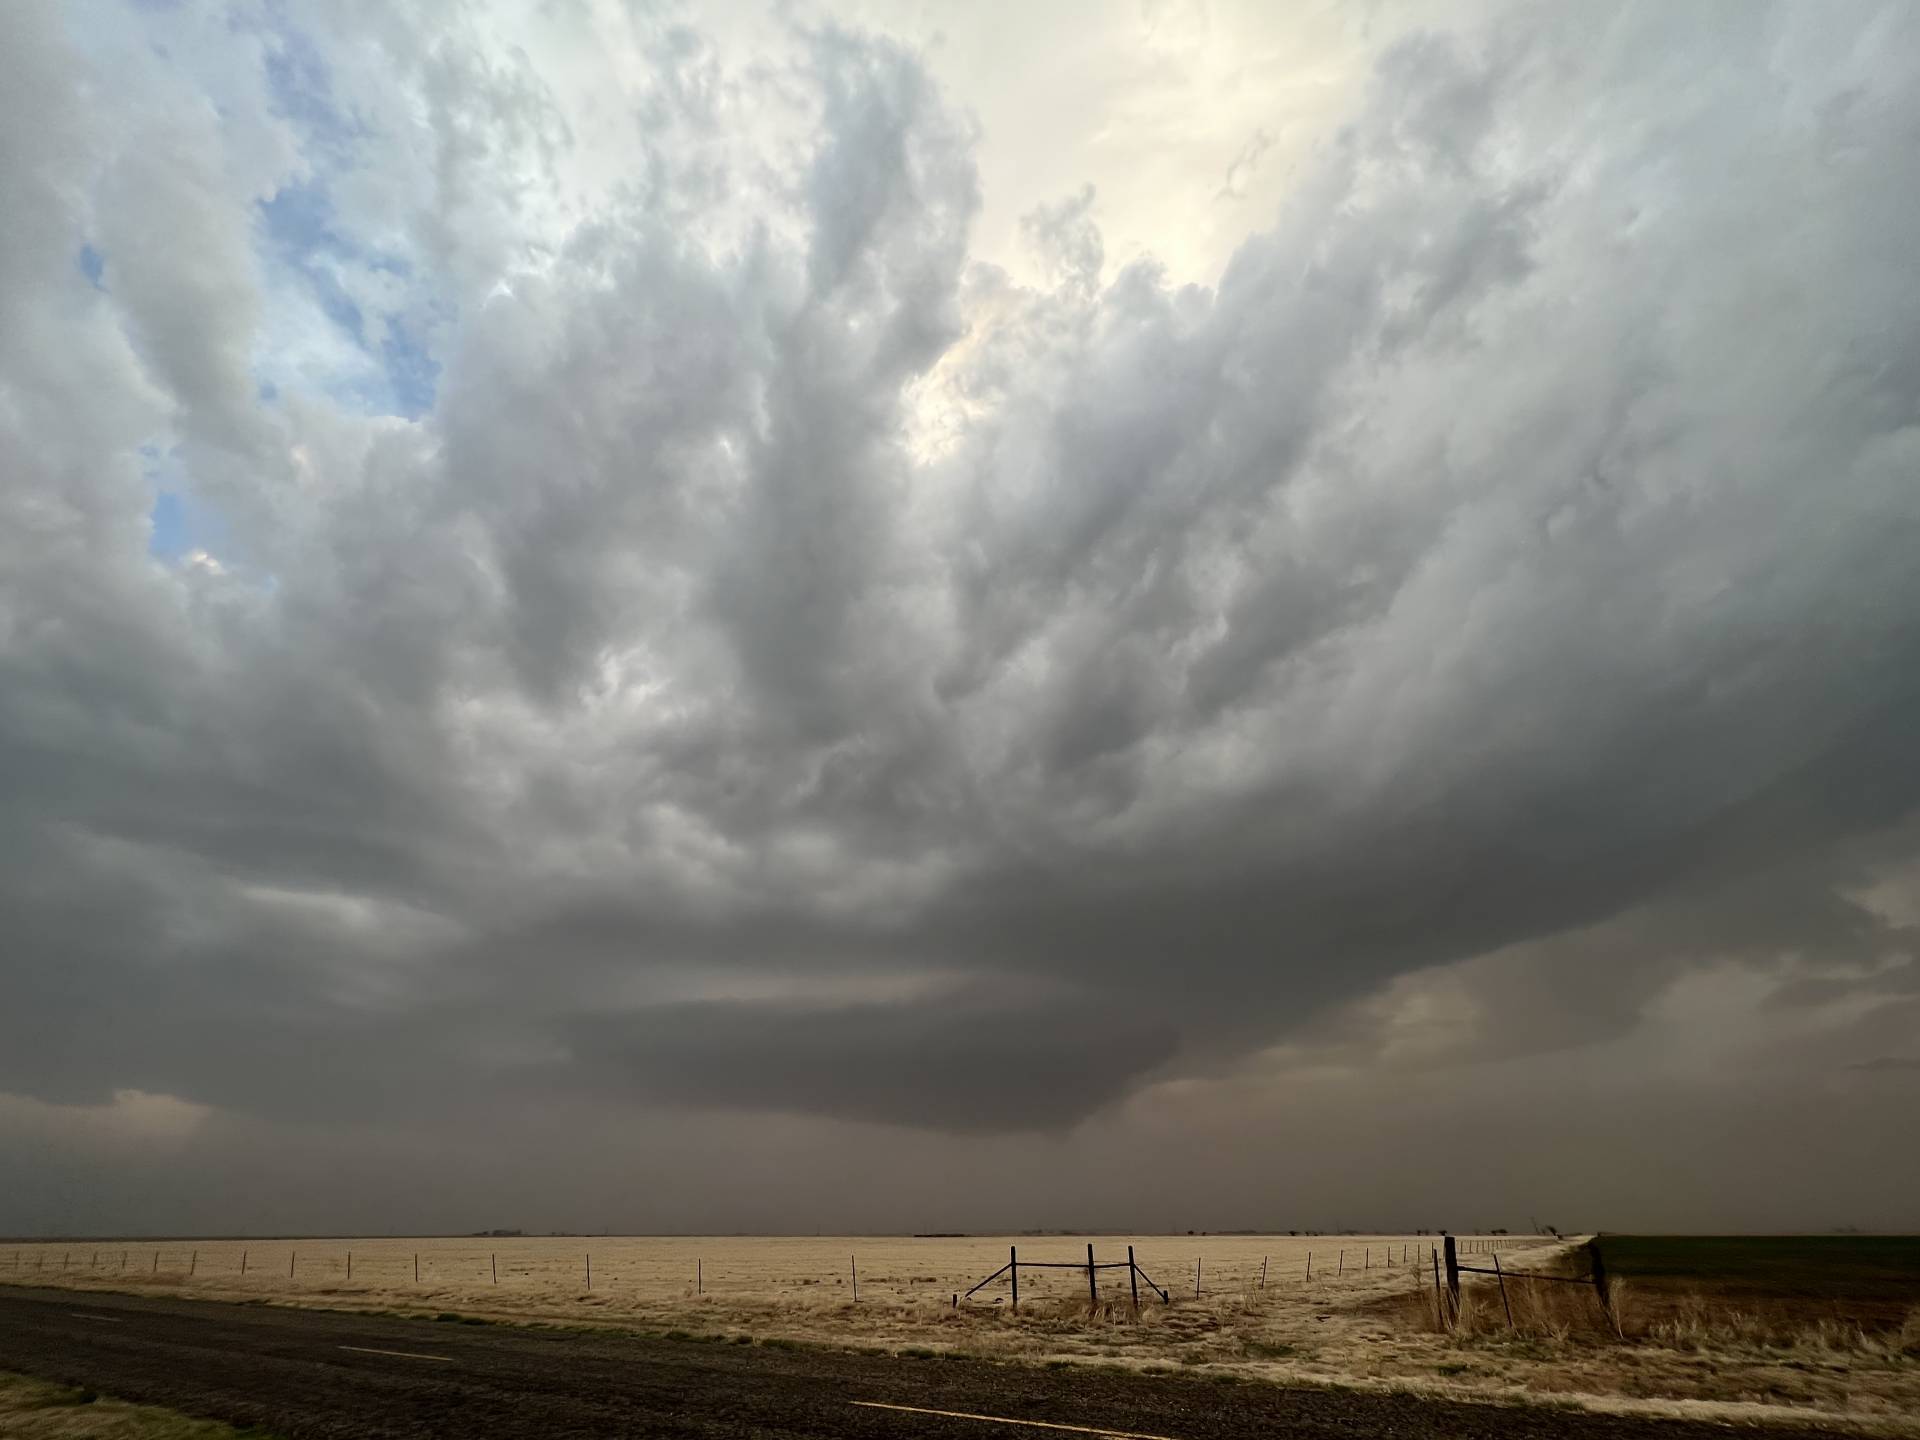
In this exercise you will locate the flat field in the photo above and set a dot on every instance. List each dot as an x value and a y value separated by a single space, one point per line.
1867 1280
661 1276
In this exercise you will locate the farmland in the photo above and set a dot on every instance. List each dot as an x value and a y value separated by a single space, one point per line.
658 1278
1361 1317
1868 1280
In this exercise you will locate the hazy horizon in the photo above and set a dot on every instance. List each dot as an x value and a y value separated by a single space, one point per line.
772 617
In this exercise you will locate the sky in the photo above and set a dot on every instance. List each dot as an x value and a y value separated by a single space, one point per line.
903 617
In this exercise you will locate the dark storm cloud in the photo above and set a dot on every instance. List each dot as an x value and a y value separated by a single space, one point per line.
793 668
960 1062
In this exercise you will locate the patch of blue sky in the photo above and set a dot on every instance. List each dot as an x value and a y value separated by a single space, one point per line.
180 523
412 373
307 251
302 90
93 265
367 295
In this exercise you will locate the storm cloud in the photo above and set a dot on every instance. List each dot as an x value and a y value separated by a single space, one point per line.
547 584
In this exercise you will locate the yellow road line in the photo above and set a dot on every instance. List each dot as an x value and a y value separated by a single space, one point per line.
403 1354
1005 1420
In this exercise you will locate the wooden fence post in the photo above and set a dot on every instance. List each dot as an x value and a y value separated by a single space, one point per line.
1599 1268
1013 1265
1263 1272
589 1268
291 1257
1439 1295
243 1262
856 1279
1340 1268
349 1264
194 1263
416 1270
1499 1275
1309 1265
1196 1277
1093 1290
1453 1274
156 1262
1133 1278
494 1261
699 1275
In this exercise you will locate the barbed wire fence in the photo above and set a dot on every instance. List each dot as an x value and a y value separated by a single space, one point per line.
439 1268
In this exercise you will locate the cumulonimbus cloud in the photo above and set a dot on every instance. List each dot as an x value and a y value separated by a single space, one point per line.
772 613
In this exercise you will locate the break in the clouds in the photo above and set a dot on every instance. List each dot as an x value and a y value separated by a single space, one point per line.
571 569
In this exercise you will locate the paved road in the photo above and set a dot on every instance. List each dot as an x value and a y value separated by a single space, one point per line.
302 1373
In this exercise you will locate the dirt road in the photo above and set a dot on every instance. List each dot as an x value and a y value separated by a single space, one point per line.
304 1373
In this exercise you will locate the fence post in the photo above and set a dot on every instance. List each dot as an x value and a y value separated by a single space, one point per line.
349 1264
699 1275
1263 1272
1499 1275
416 1270
291 1257
856 1279
1599 1268
1013 1264
1093 1290
156 1262
1340 1268
1439 1295
1453 1274
416 1261
1133 1278
243 1262
1196 1277
194 1263
1309 1265
493 1259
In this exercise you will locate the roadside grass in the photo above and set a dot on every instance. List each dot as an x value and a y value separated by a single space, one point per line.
1674 1346
38 1410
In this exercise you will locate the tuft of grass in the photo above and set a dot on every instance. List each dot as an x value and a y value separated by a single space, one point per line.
33 1409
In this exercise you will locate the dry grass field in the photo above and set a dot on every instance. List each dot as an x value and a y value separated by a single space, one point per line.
1364 1316
661 1280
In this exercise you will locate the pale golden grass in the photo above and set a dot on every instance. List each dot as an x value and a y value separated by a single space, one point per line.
1357 1322
1701 1357
36 1410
